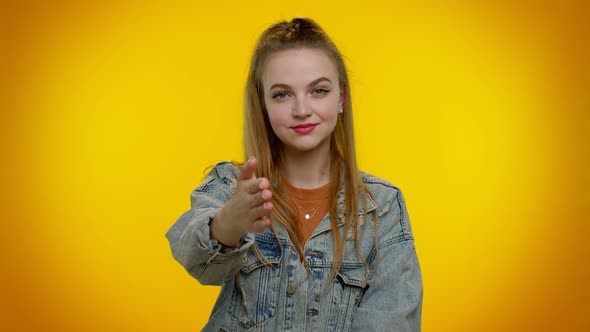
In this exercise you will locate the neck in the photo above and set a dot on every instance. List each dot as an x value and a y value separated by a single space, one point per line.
308 170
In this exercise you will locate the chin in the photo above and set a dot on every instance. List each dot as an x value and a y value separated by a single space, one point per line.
301 144
306 146
303 148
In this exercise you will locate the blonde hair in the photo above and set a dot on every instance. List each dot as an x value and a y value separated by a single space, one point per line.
261 141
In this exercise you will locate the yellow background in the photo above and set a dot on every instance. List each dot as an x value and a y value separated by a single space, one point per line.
479 113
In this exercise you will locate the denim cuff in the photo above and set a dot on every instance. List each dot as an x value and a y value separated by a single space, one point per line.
214 247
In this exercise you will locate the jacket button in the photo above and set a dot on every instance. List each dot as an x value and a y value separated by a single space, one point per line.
290 289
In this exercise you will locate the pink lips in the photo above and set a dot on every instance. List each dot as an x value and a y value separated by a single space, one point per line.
304 128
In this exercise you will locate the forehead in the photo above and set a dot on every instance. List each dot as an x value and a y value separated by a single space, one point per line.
298 67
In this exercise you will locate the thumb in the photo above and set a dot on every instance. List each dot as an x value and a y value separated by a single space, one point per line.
248 169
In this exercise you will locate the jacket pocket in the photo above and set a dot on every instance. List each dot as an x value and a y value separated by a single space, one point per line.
349 286
255 295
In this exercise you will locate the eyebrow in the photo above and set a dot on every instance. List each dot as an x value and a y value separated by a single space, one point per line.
281 85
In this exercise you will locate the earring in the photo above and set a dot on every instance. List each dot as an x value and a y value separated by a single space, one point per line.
340 110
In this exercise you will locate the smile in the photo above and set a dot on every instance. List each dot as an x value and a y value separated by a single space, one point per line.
304 128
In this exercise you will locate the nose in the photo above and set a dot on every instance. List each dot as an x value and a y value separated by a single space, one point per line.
301 108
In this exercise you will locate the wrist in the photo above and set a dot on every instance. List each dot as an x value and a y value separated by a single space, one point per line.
224 233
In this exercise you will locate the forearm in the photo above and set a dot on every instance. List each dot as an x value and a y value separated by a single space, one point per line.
204 258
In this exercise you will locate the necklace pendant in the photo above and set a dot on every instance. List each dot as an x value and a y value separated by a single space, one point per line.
307 216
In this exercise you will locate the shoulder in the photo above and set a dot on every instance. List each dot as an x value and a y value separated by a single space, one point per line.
381 190
392 213
370 179
224 169
219 183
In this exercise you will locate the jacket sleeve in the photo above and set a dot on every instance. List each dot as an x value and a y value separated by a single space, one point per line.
393 298
205 259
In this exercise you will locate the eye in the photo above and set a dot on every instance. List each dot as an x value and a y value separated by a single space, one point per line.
279 95
320 92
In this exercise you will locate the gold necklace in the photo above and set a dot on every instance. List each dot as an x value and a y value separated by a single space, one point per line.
312 213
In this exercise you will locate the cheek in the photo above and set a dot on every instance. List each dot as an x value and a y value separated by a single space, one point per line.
277 117
329 106
329 112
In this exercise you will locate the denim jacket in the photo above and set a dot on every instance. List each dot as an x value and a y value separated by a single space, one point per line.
282 295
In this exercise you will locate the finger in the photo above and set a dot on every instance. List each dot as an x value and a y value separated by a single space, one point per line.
266 220
261 224
254 186
261 197
261 210
248 169
264 183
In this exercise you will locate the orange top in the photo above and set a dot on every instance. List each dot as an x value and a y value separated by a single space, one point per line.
312 205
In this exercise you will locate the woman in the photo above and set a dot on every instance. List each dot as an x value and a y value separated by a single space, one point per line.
297 236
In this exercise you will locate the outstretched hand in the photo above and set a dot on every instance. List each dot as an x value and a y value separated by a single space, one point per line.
247 210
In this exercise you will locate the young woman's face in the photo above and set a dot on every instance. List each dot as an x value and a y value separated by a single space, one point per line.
302 96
